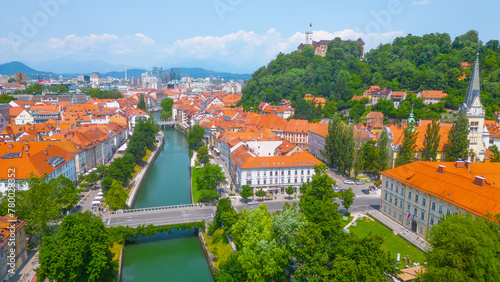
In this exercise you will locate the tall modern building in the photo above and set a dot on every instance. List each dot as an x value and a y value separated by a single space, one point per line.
157 73
474 110
175 74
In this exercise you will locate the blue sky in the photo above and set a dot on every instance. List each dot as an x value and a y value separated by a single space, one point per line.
242 34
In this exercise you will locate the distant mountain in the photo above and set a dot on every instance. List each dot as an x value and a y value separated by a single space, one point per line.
13 67
67 65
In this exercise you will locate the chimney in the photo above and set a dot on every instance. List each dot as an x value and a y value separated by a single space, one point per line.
441 169
431 159
10 145
460 164
468 164
479 181
45 152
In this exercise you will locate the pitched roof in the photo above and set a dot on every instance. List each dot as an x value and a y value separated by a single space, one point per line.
297 125
320 129
455 185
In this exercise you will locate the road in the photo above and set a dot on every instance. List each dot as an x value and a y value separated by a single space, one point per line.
164 217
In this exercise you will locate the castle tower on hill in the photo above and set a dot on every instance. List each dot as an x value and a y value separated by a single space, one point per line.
475 112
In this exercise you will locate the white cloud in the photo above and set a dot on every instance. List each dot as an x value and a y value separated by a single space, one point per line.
246 49
421 2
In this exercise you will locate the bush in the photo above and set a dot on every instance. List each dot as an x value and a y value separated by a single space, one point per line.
348 214
378 182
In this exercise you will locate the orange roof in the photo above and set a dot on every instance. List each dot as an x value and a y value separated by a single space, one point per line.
246 160
297 125
431 94
37 161
14 112
455 185
320 129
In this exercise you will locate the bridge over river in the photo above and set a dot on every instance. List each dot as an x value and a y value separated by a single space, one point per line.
159 216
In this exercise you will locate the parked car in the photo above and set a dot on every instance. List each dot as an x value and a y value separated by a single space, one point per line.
373 188
347 181
254 202
361 182
366 191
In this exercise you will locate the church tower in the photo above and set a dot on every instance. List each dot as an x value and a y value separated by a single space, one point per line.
475 112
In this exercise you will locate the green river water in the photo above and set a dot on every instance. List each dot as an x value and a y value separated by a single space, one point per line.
177 256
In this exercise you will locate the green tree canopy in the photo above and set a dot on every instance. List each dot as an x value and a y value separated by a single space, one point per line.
202 155
458 140
431 141
463 249
407 150
80 251
246 191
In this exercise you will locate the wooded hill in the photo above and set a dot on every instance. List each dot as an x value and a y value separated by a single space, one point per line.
411 63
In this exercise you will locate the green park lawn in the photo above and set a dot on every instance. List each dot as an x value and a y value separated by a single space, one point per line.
392 243
196 192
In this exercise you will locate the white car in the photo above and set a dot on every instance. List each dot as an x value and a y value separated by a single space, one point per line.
347 181
254 202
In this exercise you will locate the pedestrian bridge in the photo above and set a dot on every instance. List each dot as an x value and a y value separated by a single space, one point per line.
159 216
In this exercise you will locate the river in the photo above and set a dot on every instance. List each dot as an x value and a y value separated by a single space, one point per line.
177 256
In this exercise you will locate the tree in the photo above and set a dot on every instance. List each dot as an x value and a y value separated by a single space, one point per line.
4 98
369 153
58 88
431 141
106 184
290 190
202 155
92 177
347 198
382 153
261 193
246 192
463 249
166 105
102 170
207 195
142 103
210 176
80 251
339 145
407 150
42 204
458 139
261 257
116 197
195 137
225 216
231 270
359 163
495 156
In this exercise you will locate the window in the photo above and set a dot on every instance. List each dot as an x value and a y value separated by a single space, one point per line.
400 217
402 191
258 181
408 208
423 201
386 184
416 199
390 198
448 211
421 230
422 216
401 204
385 208
415 212
440 209
390 211
249 182
433 206
409 195
385 196
391 186
396 202
431 220
394 213
407 221
397 189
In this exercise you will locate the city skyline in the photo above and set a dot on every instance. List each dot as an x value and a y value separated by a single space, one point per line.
225 35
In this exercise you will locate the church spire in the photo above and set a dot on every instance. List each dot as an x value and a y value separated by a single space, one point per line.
473 92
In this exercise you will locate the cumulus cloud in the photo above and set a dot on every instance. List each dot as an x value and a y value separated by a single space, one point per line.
242 48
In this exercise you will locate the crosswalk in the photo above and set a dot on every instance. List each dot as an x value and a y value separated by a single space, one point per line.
371 196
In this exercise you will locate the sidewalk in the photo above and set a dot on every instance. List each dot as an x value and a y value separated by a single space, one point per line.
409 236
26 272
